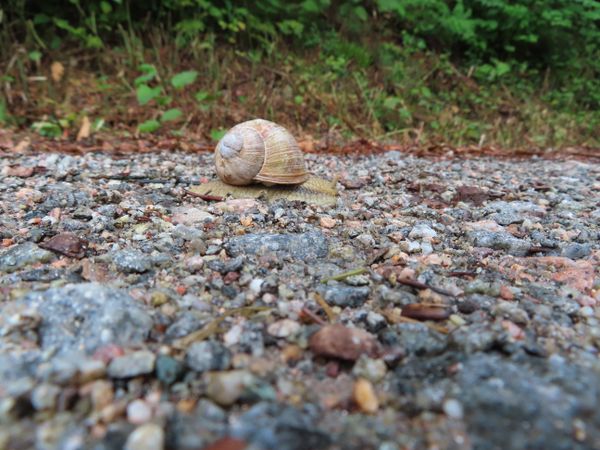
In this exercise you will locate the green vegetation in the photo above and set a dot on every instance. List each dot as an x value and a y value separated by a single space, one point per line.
511 73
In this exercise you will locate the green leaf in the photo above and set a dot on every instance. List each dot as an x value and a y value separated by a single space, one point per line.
182 79
149 72
145 93
171 114
217 134
35 55
201 96
149 126
105 7
48 129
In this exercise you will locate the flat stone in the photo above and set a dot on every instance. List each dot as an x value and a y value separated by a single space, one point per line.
576 250
23 255
132 365
132 261
304 246
346 296
190 216
499 241
83 317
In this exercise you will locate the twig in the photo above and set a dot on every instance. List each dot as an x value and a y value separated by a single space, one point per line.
344 275
419 285
206 197
213 326
323 304
316 319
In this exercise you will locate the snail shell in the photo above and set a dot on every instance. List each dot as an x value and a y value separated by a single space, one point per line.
259 151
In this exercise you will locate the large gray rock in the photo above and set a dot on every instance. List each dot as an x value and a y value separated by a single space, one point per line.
304 246
87 316
23 255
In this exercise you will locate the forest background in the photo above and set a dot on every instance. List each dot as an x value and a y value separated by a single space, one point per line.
520 73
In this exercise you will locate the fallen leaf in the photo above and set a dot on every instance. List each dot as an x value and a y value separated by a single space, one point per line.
84 131
339 341
471 194
57 70
66 244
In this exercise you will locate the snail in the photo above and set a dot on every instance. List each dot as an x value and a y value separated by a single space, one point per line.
259 151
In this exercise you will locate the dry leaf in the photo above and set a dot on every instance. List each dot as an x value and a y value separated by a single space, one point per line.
66 244
57 70
420 311
84 131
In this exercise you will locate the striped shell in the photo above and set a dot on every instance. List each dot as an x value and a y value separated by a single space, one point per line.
259 151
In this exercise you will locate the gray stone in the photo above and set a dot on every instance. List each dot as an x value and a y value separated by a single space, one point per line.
418 339
23 255
168 369
305 246
187 233
132 365
86 316
208 355
132 261
576 251
499 240
273 426
345 296
519 398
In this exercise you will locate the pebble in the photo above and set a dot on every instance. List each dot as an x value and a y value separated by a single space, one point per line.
208 355
305 246
132 365
44 396
327 222
346 296
190 216
452 408
168 369
343 342
139 412
284 328
149 436
500 241
132 261
225 388
422 231
576 251
364 396
22 255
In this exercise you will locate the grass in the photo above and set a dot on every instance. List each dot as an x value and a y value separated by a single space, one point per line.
418 98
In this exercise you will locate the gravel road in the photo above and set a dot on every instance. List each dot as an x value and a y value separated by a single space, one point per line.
442 304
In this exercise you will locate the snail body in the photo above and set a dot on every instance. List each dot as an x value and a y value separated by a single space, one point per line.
259 151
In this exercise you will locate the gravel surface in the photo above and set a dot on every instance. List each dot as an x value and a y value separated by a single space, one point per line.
447 304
